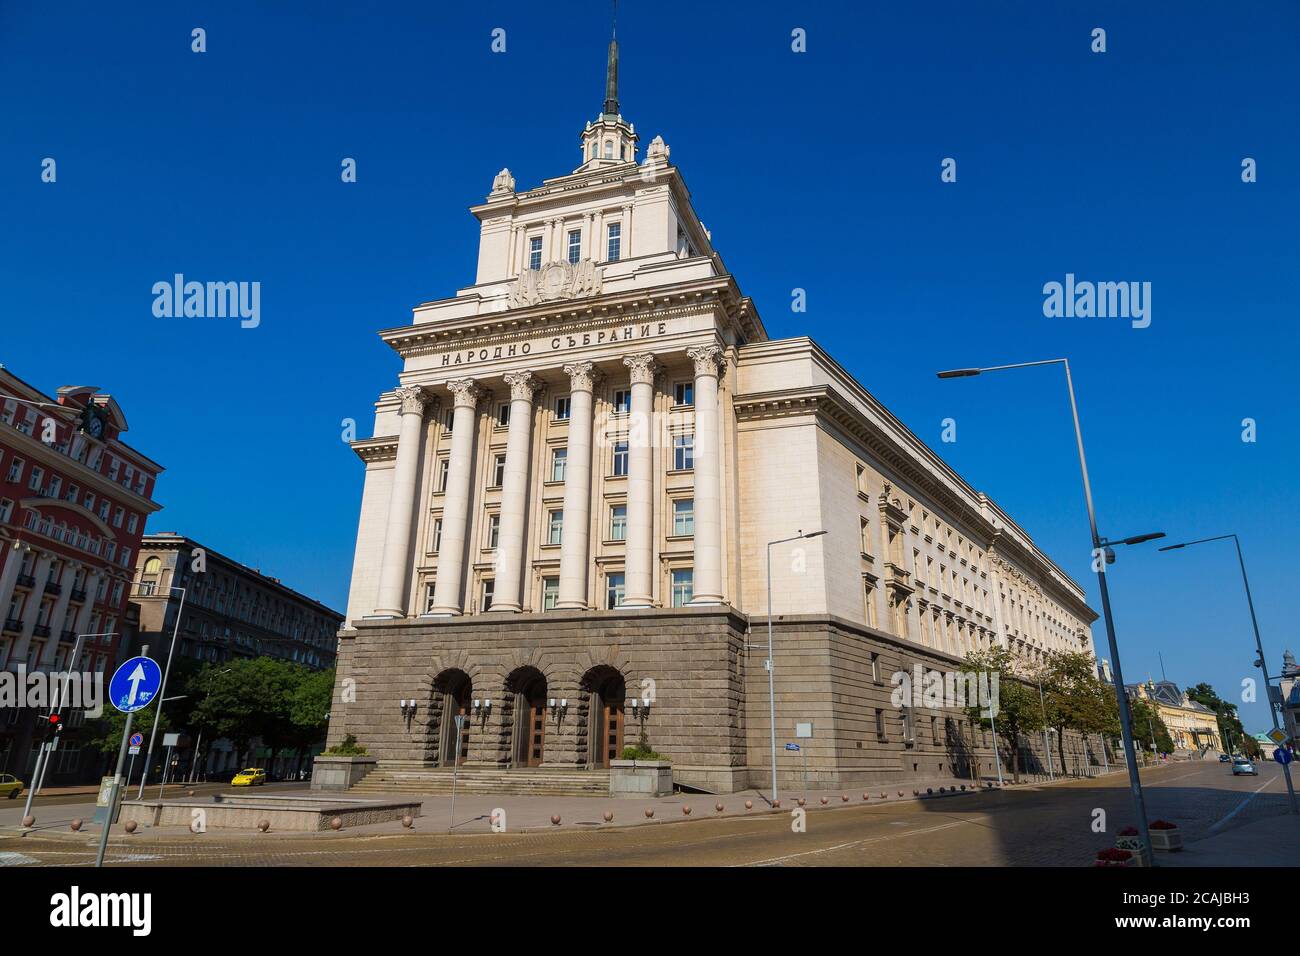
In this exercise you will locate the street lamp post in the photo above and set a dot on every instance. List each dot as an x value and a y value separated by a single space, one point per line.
1047 744
1262 663
770 663
162 692
42 758
1101 557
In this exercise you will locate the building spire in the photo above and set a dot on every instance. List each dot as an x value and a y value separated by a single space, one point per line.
611 69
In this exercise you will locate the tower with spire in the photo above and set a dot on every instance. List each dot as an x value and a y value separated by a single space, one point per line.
609 140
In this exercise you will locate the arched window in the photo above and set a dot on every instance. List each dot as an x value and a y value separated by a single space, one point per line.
609 149
152 566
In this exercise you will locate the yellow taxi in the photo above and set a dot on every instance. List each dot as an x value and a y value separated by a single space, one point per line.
252 777
10 786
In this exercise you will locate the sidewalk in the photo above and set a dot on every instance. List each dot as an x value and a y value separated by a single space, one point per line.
1274 841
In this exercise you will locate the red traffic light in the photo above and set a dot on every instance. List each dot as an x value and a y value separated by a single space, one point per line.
54 719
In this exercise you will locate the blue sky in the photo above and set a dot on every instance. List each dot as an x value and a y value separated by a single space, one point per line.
817 170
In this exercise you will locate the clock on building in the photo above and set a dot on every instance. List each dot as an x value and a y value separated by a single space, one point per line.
92 422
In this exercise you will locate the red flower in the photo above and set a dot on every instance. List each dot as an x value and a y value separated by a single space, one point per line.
1129 831
1114 854
1163 825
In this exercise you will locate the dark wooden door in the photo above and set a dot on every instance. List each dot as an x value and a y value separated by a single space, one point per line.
536 730
611 736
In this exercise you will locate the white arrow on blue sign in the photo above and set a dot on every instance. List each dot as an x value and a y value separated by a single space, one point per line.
1282 756
134 684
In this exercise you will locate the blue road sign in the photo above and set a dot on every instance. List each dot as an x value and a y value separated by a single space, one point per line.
1282 756
134 684
137 739
794 747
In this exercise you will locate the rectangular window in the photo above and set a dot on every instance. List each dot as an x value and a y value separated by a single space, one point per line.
620 458
623 401
684 517
860 478
906 714
550 593
864 534
615 241
485 595
683 586
436 544
132 523
498 471
444 467
555 527
117 517
875 668
34 483
684 394
618 523
562 408
683 452
6 510
56 485
559 459
575 246
880 725
503 414
493 530
535 252
428 597
614 590
16 471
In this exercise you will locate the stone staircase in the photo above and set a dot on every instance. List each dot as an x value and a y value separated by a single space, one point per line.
531 781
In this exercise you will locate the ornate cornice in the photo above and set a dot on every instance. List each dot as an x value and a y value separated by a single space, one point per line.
383 448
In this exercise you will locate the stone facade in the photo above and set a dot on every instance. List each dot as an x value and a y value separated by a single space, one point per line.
577 484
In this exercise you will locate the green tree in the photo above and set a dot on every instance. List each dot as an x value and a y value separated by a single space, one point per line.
1231 732
1146 724
106 732
1018 712
1075 696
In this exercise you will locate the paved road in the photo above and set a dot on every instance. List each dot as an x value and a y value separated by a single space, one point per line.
1047 825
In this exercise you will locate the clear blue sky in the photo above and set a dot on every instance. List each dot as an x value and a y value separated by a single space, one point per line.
818 171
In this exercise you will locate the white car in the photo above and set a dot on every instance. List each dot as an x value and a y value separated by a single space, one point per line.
1241 765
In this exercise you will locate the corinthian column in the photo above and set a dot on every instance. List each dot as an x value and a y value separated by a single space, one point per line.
508 593
708 478
394 572
455 501
637 567
577 490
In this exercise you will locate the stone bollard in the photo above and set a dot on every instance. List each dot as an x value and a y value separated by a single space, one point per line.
749 804
336 824
555 819
609 816
264 825
408 821
130 826
649 812
75 825
719 807
686 811
29 821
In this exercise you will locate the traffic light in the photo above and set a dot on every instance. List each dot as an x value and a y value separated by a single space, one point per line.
49 726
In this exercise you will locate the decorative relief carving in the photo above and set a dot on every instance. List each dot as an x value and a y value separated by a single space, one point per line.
643 368
582 377
413 399
523 385
555 280
465 392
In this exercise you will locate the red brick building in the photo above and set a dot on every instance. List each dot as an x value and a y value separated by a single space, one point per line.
74 498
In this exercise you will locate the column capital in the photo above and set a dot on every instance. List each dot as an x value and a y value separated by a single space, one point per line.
465 392
707 359
582 376
413 398
643 368
523 385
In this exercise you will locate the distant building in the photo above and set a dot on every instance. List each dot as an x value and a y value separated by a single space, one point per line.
230 610
74 498
1191 725
1290 687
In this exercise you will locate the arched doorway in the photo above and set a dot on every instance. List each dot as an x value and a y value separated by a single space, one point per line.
454 690
606 691
528 722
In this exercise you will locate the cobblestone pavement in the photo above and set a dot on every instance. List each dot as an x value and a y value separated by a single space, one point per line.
1032 825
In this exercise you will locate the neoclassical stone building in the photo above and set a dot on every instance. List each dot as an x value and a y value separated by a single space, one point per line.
569 498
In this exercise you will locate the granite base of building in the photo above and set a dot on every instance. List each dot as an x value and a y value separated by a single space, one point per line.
572 689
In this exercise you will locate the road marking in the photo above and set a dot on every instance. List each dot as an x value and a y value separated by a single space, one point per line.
1241 806
773 861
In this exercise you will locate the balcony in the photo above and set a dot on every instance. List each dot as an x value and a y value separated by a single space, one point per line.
53 587
13 624
79 594
68 637
41 630
26 581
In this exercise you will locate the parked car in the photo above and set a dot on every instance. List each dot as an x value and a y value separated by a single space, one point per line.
10 785
252 777
1243 766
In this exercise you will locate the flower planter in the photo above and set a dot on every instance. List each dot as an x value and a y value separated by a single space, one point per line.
1167 838
640 778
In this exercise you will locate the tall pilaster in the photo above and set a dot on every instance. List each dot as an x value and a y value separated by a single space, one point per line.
574 546
32 609
449 585
508 593
91 586
708 477
60 612
394 572
637 568
13 555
